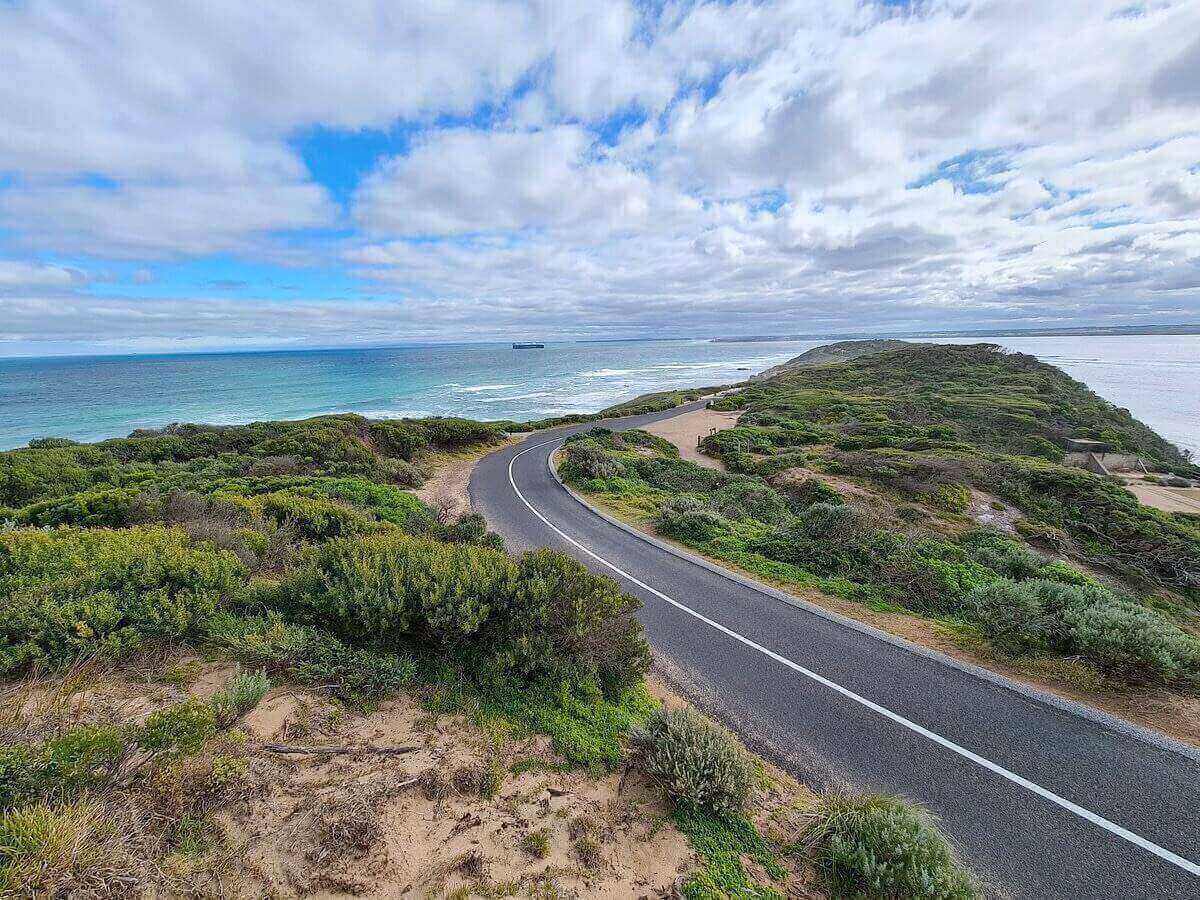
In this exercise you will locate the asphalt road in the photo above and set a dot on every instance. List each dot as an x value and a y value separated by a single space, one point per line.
1044 801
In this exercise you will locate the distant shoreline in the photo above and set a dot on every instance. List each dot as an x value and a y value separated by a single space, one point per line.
1083 331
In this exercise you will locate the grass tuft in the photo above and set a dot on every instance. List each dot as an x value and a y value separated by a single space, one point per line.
878 846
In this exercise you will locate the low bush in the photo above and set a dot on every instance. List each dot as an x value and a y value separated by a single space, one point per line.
238 697
826 539
70 592
178 730
395 590
874 846
469 529
699 763
690 520
1012 615
813 490
315 518
543 616
106 508
1002 555
386 501
61 766
748 499
726 846
587 460
1119 635
586 729
310 656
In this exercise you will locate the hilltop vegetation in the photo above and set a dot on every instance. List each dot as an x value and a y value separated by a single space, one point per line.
927 479
294 548
290 554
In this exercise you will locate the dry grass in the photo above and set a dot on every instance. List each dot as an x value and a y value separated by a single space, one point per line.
76 850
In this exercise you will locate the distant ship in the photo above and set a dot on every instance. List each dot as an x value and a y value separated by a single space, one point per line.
529 346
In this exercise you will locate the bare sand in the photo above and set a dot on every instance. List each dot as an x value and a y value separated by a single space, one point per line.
1168 499
446 490
685 432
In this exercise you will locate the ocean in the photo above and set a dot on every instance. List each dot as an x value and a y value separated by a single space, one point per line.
89 398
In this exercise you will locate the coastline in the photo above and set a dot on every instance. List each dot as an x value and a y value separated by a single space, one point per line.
90 399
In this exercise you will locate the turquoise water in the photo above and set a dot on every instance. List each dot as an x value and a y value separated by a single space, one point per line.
96 397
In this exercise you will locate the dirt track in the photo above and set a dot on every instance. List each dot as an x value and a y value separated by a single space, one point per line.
685 430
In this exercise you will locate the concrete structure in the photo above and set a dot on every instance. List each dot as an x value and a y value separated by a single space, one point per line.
1102 462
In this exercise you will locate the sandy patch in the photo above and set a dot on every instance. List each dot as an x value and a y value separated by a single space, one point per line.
1168 499
686 430
446 490
417 825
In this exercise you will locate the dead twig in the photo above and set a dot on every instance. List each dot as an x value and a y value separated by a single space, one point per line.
337 750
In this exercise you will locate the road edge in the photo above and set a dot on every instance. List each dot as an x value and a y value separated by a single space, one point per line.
1145 735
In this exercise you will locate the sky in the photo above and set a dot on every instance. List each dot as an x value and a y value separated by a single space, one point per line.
209 174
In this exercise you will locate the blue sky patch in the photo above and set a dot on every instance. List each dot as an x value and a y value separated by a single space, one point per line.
972 172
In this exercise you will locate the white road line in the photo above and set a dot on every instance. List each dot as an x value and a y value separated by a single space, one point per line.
1096 819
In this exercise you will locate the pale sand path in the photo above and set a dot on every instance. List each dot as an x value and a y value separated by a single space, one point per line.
684 431
1168 499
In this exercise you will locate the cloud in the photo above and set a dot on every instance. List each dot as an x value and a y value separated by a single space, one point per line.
466 181
685 166
16 274
142 221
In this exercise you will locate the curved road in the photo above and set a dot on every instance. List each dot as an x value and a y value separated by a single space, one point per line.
1045 801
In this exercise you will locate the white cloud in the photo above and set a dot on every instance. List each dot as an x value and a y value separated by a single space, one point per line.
16 274
723 166
464 181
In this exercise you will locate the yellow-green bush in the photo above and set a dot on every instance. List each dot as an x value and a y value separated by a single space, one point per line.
1120 635
699 763
541 616
876 846
71 592
62 765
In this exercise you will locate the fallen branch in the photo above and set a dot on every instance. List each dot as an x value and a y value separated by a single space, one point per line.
333 751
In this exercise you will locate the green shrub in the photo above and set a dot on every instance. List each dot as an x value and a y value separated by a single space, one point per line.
68 593
813 490
925 574
388 502
585 728
315 518
585 460
400 439
1127 639
1002 555
1012 615
699 763
61 766
826 539
178 730
544 616
537 843
690 520
746 499
393 589
875 846
1057 570
564 623
469 529
1119 635
310 656
107 508
724 846
238 697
